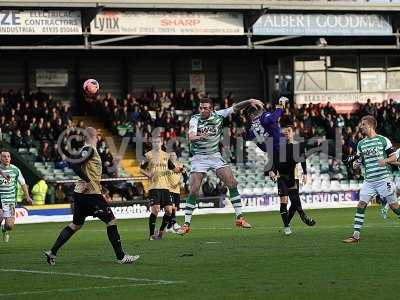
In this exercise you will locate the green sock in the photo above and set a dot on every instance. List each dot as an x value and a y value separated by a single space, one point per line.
189 208
236 201
358 222
397 211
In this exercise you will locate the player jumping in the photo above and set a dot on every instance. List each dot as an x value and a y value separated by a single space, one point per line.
205 130
374 151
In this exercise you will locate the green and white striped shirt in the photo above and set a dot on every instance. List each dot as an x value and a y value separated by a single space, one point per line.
8 190
213 126
371 150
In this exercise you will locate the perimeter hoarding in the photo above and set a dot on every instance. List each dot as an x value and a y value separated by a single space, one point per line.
323 25
162 23
40 22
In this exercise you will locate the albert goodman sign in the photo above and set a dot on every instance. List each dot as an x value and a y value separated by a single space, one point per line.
323 25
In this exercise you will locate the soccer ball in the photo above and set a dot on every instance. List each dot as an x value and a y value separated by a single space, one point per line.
91 87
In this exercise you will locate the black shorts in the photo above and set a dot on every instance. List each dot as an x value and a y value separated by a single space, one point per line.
90 205
286 184
160 197
176 199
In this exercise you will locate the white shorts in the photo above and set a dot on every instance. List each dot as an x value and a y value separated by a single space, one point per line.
383 188
204 163
7 210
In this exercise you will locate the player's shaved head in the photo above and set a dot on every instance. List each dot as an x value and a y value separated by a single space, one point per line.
91 131
370 120
91 135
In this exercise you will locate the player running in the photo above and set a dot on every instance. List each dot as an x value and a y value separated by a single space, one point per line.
156 167
88 201
11 176
174 180
205 130
285 173
374 151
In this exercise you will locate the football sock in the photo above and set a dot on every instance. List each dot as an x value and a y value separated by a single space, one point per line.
397 211
295 205
189 208
358 222
292 211
173 219
64 236
284 214
165 221
115 240
236 201
152 223
295 199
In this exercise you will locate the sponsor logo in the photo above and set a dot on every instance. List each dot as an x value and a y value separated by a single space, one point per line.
128 210
21 212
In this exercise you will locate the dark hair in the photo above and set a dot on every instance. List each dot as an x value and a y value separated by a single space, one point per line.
286 121
249 110
370 120
206 100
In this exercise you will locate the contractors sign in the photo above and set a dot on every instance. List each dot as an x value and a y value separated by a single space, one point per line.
141 23
38 22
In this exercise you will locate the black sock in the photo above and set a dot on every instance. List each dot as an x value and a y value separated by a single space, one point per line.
152 223
284 214
173 220
295 199
63 237
165 220
115 240
292 211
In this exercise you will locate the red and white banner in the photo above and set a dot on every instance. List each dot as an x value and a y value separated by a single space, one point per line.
162 23
344 102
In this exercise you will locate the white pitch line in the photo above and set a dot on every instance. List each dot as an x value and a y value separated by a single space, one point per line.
78 289
156 281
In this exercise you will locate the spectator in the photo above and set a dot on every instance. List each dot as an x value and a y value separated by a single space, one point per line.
334 171
45 153
16 139
39 192
59 193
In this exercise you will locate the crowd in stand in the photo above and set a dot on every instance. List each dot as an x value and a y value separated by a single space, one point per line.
131 115
35 121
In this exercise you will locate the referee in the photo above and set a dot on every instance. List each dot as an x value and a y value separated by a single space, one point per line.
88 201
285 173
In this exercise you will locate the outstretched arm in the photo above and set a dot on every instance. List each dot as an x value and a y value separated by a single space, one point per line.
243 104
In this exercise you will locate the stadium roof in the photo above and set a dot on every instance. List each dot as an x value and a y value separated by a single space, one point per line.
316 5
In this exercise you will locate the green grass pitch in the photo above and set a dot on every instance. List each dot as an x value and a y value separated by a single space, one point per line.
215 261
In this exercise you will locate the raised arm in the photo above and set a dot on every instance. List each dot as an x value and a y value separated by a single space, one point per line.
243 104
